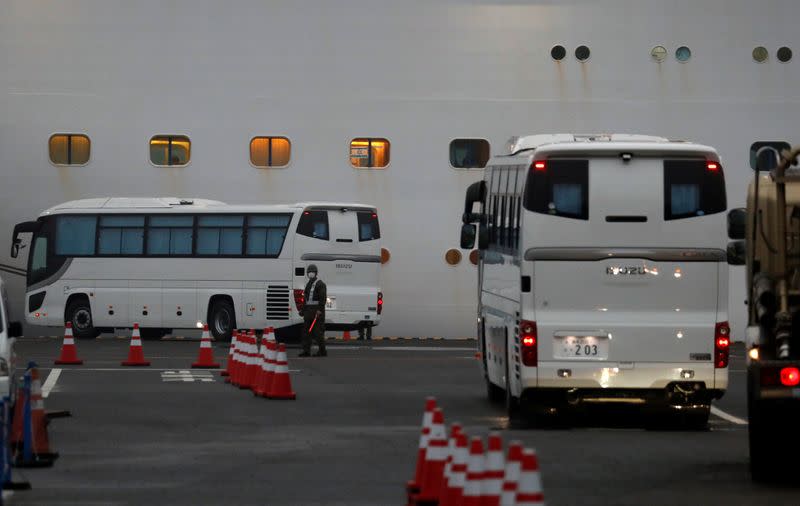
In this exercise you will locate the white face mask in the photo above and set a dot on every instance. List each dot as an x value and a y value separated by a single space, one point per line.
312 275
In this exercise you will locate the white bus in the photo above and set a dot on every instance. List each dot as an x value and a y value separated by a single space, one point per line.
168 263
602 274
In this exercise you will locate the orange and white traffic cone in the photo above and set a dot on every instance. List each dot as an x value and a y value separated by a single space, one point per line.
455 430
205 358
227 371
69 353
238 359
413 486
135 352
494 472
268 363
530 482
251 360
436 458
511 475
262 363
41 442
281 382
458 473
474 479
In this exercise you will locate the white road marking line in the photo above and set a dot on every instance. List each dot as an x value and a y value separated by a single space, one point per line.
186 376
50 382
725 416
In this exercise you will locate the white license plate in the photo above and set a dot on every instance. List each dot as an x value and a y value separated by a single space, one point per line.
581 347
330 303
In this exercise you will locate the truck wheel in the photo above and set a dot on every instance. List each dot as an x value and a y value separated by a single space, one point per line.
79 313
222 320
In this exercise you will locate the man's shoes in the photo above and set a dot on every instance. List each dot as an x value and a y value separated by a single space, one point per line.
321 353
304 354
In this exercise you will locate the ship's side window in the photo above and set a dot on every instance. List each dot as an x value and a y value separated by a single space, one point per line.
121 235
75 235
469 153
69 149
169 235
270 151
170 150
314 224
367 152
219 235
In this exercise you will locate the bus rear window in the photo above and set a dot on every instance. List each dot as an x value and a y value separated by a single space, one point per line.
559 188
314 224
368 228
693 188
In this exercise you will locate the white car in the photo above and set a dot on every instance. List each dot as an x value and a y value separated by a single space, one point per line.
8 332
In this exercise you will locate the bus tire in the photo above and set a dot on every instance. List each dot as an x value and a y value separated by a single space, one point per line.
151 334
79 313
495 394
222 320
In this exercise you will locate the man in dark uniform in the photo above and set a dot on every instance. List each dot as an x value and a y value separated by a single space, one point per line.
316 294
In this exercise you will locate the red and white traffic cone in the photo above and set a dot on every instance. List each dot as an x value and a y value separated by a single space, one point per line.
281 382
473 482
69 353
412 487
135 352
530 491
494 471
455 430
458 473
41 441
236 340
253 364
205 358
511 475
436 458
227 371
268 364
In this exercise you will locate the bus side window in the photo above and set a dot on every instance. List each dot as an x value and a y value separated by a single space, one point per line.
314 224
75 235
266 234
169 235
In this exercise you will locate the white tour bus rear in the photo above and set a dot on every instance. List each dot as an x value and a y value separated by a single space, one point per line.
603 274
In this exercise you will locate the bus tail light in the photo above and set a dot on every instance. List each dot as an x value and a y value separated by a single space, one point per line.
299 299
722 345
790 376
539 166
380 302
530 343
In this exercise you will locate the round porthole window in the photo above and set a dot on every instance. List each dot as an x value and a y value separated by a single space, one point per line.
658 54
558 53
784 54
385 255
474 256
683 54
453 256
582 53
760 54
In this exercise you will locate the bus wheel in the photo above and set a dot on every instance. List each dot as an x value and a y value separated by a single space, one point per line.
151 334
222 320
79 313
495 394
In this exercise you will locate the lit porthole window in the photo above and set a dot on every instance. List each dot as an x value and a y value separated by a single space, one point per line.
367 152
760 54
452 257
170 150
558 53
683 54
582 53
784 54
386 255
469 153
658 54
474 256
270 151
69 149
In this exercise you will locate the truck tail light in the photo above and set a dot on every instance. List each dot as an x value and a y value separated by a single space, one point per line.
300 300
722 345
530 343
380 302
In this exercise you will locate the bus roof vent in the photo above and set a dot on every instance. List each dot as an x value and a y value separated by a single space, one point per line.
185 202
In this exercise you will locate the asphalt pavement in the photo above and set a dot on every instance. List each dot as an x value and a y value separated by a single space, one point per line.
168 434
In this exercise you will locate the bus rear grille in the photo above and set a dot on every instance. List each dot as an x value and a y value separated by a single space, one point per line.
278 304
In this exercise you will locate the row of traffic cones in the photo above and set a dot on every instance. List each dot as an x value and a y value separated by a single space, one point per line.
69 352
456 471
265 371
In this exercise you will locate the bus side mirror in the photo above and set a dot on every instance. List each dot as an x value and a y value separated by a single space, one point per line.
737 253
483 236
737 219
14 329
467 236
15 249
